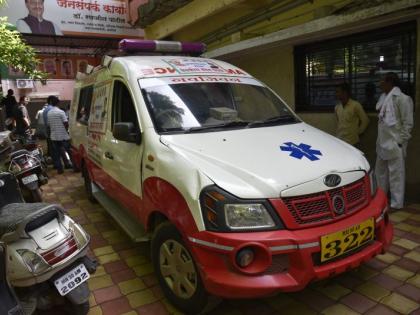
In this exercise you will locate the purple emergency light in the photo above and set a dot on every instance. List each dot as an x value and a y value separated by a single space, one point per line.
137 46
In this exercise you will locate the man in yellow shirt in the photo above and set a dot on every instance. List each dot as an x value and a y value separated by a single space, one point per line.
352 120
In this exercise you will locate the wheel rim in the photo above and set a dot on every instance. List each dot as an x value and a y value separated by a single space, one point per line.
177 269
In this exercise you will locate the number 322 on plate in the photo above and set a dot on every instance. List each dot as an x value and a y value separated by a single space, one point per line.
341 242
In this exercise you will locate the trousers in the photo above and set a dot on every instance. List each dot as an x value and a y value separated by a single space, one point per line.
57 148
390 175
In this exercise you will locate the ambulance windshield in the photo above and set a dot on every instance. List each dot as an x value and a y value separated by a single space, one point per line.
212 103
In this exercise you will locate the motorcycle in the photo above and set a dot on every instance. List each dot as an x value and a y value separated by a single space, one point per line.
9 303
6 145
30 172
32 145
47 258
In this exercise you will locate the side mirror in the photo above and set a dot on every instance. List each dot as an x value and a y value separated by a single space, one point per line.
125 131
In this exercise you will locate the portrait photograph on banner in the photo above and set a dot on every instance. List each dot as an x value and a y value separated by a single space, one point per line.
82 65
50 66
66 67
106 18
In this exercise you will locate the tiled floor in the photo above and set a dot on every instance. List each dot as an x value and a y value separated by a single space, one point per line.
125 284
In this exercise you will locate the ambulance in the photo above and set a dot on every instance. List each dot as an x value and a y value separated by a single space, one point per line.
239 197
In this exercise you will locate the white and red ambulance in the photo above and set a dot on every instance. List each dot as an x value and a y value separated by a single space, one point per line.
240 198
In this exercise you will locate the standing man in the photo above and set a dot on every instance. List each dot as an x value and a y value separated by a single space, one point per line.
394 127
45 111
23 123
41 128
10 105
35 23
60 138
352 120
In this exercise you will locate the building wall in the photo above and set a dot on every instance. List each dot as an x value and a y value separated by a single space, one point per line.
275 67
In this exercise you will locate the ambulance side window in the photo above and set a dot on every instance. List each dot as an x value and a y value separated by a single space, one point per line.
123 109
85 101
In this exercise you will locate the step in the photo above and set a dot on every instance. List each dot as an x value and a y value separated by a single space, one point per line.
122 215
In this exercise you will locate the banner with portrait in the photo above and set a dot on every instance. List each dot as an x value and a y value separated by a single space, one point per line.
107 18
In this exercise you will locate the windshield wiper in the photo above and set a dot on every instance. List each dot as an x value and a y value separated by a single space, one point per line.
236 123
229 124
173 129
273 120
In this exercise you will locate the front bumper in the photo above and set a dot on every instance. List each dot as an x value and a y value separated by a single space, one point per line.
215 255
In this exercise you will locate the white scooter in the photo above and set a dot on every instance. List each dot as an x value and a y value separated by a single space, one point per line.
46 249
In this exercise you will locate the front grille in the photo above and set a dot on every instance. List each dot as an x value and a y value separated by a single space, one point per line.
62 251
328 205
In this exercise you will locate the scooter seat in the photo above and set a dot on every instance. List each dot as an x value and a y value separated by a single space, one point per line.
18 152
34 214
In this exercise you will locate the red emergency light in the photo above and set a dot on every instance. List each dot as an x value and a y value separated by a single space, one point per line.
161 46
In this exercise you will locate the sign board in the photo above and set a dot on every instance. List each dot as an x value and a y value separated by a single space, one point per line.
98 113
107 18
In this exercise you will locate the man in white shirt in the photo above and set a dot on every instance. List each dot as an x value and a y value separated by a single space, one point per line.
394 130
60 138
35 23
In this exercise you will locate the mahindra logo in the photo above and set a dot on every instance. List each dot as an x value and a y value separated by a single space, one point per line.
332 180
338 204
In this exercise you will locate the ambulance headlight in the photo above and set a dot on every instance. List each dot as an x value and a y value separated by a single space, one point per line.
373 183
225 212
247 216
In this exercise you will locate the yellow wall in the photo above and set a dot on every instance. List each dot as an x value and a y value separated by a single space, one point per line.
274 68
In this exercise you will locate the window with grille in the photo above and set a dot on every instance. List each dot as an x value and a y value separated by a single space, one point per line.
361 60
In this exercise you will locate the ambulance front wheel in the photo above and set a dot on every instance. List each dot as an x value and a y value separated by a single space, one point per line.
176 270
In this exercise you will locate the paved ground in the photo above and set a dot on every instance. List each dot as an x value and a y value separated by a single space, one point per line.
125 284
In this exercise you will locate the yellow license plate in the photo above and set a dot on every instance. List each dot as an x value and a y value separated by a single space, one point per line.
339 243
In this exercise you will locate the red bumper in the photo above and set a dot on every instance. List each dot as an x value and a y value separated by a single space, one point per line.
215 255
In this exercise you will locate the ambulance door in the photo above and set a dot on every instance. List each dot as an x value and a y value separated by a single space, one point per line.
97 126
124 157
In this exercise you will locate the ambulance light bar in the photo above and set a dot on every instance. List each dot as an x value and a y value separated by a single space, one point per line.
160 46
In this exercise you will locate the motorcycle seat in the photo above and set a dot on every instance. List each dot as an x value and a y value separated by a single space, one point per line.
33 215
18 152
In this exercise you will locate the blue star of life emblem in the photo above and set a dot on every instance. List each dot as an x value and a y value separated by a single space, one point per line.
301 150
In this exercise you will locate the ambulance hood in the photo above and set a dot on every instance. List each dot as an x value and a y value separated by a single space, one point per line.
262 162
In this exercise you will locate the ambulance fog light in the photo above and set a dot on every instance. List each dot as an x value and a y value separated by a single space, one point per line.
245 257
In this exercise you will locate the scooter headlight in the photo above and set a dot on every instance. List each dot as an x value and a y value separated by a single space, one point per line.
373 182
35 263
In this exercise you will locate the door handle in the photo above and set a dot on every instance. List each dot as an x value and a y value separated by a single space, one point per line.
109 155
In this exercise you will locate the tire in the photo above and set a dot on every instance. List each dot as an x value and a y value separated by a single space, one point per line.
88 184
183 288
36 195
